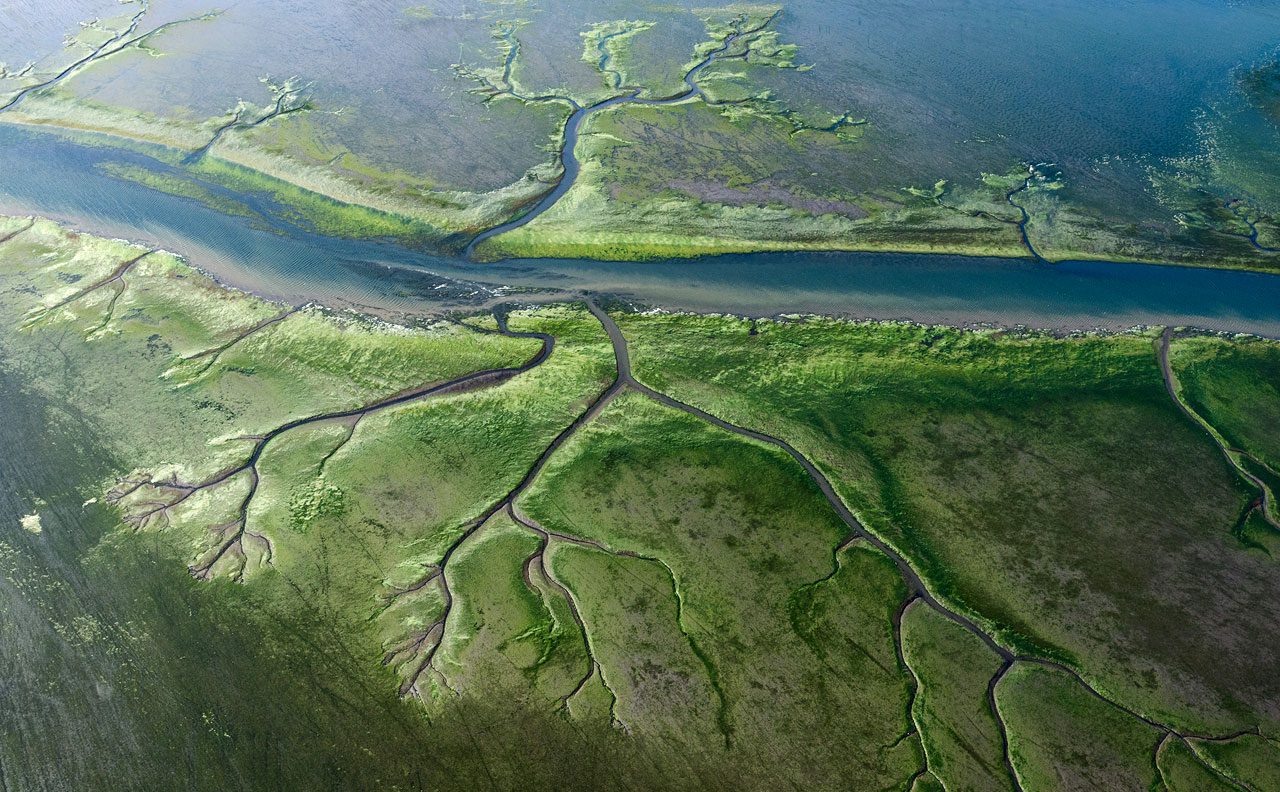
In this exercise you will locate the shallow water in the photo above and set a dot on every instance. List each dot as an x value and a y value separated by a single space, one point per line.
951 89
43 173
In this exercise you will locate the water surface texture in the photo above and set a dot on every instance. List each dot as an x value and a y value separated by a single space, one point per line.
119 670
43 174
1110 92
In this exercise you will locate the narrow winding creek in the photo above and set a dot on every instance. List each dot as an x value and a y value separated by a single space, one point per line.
128 663
47 175
569 163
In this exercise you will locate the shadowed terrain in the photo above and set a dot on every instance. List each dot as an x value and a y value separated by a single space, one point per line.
574 545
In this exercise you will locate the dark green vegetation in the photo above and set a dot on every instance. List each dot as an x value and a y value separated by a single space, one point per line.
1084 743
1233 388
122 671
1048 488
486 554
767 645
682 130
953 670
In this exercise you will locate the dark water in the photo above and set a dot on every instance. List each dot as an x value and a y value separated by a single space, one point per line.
42 173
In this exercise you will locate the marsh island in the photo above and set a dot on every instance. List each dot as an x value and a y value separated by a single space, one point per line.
504 395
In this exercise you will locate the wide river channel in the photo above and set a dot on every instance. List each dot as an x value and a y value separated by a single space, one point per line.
45 174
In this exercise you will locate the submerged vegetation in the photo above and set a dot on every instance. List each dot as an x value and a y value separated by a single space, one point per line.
1261 85
684 551
508 130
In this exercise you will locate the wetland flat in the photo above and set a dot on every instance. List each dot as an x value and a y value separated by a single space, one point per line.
513 395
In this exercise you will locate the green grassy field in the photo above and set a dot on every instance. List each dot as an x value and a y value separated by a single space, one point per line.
1027 478
1060 737
728 545
962 738
475 554
1234 387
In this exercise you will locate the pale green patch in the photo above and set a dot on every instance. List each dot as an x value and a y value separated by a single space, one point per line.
315 500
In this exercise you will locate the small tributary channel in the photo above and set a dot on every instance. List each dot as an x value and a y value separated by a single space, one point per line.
45 174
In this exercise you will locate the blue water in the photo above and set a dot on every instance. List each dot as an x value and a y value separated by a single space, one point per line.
45 174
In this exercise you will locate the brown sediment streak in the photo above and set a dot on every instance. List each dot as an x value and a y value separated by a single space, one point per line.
913 726
106 48
426 643
117 289
394 593
19 231
1214 769
117 43
594 668
215 353
713 675
351 431
1005 752
237 122
585 417
1155 761
569 166
857 531
1019 224
722 713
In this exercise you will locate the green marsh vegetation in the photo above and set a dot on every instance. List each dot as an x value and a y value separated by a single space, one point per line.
181 187
703 171
1180 769
165 681
953 669
263 142
1234 387
1044 460
731 167
431 124
136 309
1085 744
728 544
481 536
